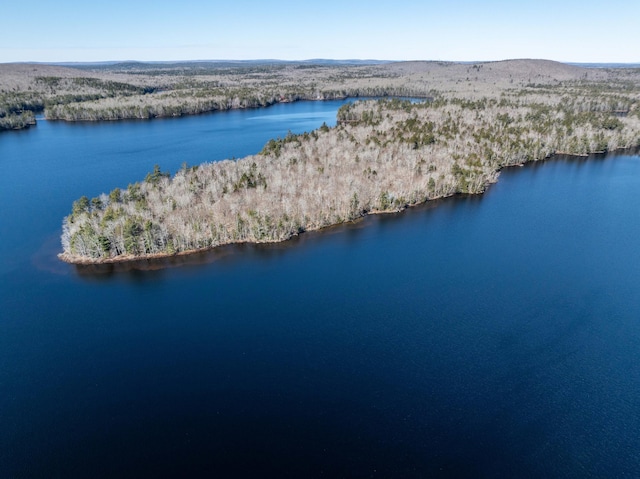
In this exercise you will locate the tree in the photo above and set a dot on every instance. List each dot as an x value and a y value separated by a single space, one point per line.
156 176
80 206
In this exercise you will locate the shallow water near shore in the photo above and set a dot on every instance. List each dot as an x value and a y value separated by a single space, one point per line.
485 336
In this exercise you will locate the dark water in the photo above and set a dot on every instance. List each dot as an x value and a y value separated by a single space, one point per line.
493 336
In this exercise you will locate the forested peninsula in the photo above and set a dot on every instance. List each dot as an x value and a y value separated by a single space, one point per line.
383 156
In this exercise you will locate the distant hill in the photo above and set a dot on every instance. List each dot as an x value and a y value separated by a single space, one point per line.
134 64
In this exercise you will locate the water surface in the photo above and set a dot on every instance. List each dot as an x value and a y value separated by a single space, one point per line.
492 336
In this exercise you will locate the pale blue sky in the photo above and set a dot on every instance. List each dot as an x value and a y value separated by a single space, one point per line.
70 30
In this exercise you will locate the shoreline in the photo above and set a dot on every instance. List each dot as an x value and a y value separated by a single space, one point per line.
42 113
84 261
124 259
232 108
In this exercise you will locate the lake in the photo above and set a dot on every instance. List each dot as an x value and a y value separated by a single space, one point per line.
488 336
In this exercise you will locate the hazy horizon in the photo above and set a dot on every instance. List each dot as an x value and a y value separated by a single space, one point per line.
353 61
69 31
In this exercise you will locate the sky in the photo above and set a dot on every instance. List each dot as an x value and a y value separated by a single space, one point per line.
455 30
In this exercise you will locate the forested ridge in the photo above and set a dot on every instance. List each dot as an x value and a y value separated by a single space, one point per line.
383 156
145 91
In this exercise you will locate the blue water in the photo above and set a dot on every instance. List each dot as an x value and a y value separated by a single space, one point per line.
493 336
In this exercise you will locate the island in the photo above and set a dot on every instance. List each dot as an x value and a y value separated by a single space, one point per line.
382 156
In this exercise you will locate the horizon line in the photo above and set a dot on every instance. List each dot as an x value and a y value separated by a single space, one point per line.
308 60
